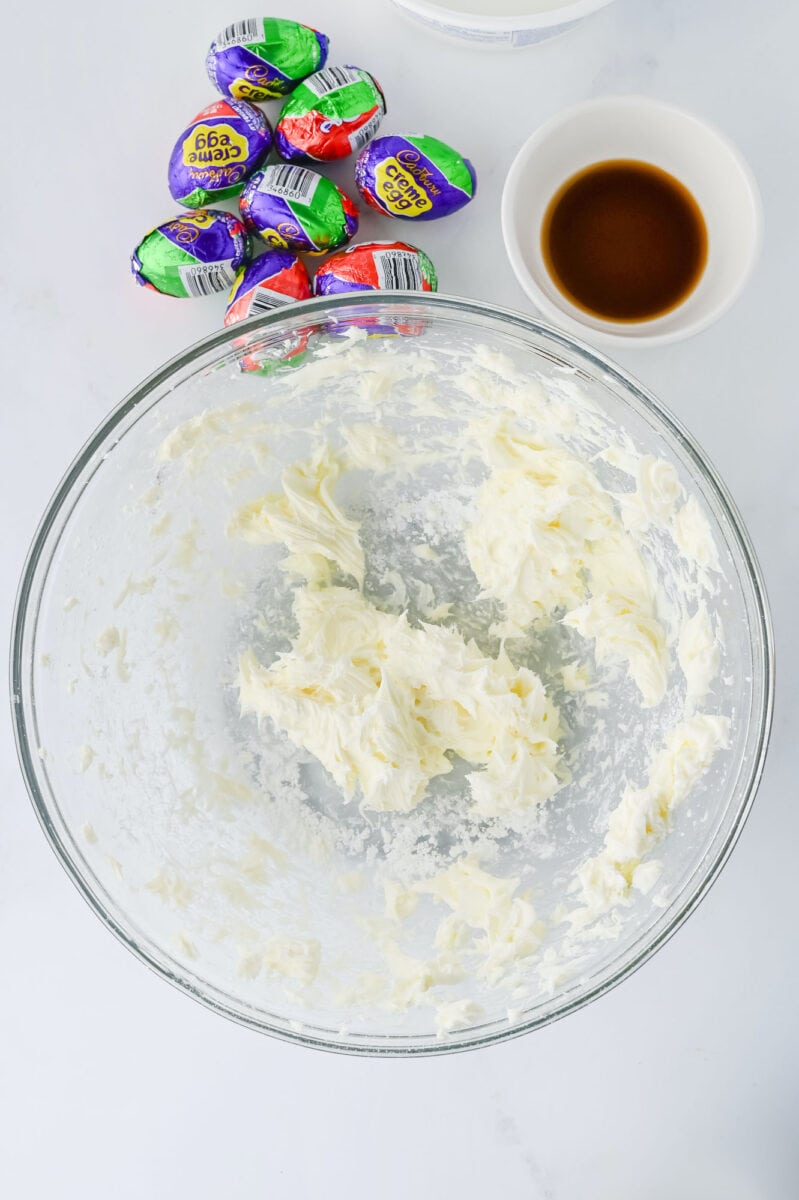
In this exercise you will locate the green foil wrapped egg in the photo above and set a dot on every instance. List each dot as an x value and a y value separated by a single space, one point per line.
194 254
294 208
264 57
333 113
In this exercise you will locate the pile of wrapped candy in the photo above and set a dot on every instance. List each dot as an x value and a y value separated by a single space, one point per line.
286 206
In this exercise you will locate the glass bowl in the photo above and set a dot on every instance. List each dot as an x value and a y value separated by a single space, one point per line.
224 856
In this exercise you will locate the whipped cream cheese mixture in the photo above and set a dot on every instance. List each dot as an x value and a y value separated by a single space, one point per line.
470 583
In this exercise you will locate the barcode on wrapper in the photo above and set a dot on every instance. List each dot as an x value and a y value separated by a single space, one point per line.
204 279
262 300
240 32
361 136
330 79
398 270
292 183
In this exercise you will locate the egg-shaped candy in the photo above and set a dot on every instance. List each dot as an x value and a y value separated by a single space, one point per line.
264 57
331 114
376 266
217 151
415 177
194 254
298 209
271 280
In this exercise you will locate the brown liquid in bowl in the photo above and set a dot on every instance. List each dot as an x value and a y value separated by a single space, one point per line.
624 240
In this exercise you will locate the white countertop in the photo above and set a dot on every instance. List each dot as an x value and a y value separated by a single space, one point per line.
682 1083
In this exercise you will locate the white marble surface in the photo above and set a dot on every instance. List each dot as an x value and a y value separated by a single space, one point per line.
682 1082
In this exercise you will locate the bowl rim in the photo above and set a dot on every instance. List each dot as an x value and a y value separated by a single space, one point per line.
26 617
446 18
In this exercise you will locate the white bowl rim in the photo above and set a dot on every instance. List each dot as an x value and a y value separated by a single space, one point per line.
575 11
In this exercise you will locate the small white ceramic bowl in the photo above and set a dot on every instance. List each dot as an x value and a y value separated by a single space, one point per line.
636 127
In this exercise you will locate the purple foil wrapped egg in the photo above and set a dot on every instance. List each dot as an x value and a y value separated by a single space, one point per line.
217 152
264 57
414 177
194 254
294 208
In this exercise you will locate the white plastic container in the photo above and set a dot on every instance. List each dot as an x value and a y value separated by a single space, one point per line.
501 23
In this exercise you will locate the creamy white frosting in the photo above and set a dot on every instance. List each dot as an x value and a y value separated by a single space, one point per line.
642 819
699 654
382 704
86 757
547 537
400 902
519 482
658 491
293 958
306 520
371 447
195 440
488 913
411 978
490 929
693 536
113 640
457 1014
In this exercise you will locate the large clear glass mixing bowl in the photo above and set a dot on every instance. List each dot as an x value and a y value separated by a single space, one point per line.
200 838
